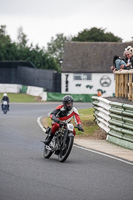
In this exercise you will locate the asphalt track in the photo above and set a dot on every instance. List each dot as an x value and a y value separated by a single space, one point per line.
26 175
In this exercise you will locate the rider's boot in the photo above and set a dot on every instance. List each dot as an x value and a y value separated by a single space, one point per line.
49 138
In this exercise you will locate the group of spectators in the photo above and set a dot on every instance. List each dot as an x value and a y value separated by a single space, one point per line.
125 63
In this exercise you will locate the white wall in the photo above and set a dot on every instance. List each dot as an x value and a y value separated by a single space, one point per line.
95 83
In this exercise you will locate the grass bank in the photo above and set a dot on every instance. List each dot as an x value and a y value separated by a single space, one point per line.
21 98
88 123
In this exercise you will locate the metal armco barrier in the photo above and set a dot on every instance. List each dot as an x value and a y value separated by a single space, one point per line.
116 119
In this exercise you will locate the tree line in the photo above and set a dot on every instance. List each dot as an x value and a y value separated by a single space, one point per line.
51 57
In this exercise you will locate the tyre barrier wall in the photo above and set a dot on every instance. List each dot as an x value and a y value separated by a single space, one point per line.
116 119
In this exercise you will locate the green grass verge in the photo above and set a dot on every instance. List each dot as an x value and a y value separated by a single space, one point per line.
88 123
20 97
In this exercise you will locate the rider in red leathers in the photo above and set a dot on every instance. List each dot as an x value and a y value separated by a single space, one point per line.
64 113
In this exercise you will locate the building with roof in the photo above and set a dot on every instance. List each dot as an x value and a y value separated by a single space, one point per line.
86 66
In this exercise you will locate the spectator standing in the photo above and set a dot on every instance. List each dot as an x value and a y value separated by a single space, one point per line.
129 59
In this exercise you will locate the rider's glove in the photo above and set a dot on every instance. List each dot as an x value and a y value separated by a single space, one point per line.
80 128
56 120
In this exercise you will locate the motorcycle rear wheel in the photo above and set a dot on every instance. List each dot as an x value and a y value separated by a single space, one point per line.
64 153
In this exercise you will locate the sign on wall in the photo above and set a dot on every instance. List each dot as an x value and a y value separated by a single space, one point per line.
104 82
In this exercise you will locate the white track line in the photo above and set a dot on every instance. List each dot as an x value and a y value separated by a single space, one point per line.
39 123
103 154
93 151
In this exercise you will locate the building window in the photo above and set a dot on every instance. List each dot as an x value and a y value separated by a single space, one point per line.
77 76
83 76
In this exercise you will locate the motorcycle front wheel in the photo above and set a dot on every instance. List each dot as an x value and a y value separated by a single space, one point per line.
64 152
47 152
4 111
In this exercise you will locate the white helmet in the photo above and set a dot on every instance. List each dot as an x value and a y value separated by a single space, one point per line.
129 49
5 94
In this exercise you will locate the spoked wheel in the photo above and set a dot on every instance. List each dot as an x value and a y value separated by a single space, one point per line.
47 151
64 152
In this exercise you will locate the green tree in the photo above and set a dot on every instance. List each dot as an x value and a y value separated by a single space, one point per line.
21 51
39 57
55 47
7 48
4 38
96 35
22 37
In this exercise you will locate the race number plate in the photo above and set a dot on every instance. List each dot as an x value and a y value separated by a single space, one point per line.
70 127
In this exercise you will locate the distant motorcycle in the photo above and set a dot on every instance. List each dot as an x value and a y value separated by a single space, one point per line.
62 142
4 107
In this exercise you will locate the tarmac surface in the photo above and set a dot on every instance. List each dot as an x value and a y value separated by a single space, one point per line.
105 147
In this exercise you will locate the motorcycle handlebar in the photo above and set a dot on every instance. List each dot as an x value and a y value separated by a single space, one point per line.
62 123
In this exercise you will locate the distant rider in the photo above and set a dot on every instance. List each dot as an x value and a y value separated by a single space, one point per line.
5 98
63 113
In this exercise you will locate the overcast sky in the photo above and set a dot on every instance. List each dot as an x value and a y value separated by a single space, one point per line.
43 19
